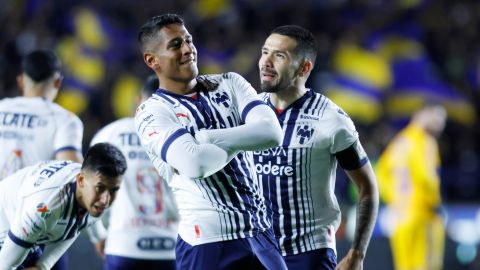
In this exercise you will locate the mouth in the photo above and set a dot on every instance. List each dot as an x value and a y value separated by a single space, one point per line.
188 61
267 75
99 209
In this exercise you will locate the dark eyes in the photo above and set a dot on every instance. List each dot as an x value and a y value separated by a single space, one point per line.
178 43
278 55
99 189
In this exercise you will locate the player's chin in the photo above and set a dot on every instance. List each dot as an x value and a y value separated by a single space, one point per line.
96 211
267 87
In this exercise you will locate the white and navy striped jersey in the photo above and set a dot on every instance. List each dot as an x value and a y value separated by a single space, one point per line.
298 177
228 204
143 220
38 205
33 129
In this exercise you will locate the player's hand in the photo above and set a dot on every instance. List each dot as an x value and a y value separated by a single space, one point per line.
353 261
100 248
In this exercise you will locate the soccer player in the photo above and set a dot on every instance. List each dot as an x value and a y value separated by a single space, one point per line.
409 182
201 127
298 177
142 223
49 203
32 127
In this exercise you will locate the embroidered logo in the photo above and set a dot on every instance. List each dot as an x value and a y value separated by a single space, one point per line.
221 98
43 210
304 133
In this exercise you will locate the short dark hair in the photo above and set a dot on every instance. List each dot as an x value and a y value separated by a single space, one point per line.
151 85
148 31
105 159
306 44
40 65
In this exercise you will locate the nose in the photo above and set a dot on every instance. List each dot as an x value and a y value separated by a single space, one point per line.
266 61
188 48
106 198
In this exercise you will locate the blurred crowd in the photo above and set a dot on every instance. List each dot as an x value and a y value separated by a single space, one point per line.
378 59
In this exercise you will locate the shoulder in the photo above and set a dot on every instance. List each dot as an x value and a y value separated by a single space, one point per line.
108 132
50 174
214 80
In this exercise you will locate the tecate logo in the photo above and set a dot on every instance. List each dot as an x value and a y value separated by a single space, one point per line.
276 170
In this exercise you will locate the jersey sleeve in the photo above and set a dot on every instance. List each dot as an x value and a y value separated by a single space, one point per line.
31 220
245 95
157 128
69 134
344 133
166 139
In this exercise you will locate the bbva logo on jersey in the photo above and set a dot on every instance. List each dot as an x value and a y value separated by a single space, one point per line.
304 133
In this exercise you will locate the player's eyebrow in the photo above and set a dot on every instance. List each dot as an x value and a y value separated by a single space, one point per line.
174 42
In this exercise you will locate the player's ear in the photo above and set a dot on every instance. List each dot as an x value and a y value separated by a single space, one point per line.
305 67
150 60
58 81
20 82
81 179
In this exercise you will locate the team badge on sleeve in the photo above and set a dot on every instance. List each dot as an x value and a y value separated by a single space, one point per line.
43 210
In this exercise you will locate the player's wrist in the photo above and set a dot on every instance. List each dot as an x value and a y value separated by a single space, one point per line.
357 254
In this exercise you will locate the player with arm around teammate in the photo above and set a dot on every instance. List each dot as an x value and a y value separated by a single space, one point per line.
202 126
49 203
298 177
143 221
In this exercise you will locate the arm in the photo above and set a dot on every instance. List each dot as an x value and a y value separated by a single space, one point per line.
355 162
53 252
162 135
13 254
260 131
367 209
195 160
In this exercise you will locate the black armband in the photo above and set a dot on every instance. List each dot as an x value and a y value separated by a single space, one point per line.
353 157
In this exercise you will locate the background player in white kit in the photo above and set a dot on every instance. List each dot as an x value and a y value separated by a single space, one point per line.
299 176
223 223
143 221
49 204
32 127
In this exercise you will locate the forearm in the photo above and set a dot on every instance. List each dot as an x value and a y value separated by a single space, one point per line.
52 253
261 131
11 254
195 160
367 207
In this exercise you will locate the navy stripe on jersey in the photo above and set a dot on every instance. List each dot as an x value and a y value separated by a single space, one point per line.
234 191
169 141
19 241
249 107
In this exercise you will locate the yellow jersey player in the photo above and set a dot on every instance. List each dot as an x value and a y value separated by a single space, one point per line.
409 184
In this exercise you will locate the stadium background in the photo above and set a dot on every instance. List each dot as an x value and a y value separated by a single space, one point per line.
377 59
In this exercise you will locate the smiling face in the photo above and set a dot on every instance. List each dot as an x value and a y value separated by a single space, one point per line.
96 192
278 64
172 55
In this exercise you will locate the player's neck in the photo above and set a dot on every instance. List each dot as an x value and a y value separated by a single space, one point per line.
282 99
179 88
33 92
